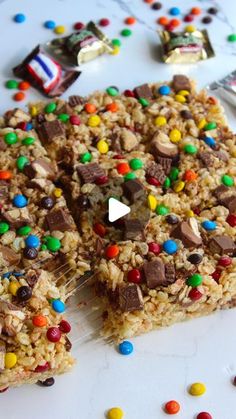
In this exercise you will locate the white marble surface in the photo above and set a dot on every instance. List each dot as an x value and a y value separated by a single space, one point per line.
164 363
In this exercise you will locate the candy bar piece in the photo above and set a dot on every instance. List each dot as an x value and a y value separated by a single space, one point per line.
39 168
188 233
226 196
222 245
9 256
143 91
3 145
154 273
130 298
50 131
185 47
221 191
45 74
76 100
58 220
128 139
166 163
206 158
230 203
90 172
133 190
133 229
169 273
222 155
157 171
163 147
181 82
17 217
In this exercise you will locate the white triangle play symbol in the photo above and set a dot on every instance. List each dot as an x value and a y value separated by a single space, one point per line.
116 210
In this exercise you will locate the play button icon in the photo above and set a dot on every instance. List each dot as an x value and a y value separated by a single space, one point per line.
116 210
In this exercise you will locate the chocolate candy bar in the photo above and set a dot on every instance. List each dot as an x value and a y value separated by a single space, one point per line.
185 47
45 74
226 87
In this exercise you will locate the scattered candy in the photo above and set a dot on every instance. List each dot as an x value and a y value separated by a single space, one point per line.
204 415
194 280
24 293
160 121
174 11
60 29
156 6
197 389
112 251
104 22
32 241
170 247
212 10
196 11
134 276
12 84
64 326
39 321
136 164
209 141
94 121
4 227
53 244
47 383
163 20
164 90
49 24
126 32
53 334
195 294
18 97
126 348
10 360
10 138
20 201
209 225
232 37
190 149
130 20
172 407
227 180
58 306
19 18
115 413
206 20
78 26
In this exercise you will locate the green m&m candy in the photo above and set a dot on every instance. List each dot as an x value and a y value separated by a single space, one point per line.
130 176
136 164
28 141
53 244
174 173
210 125
24 230
162 210
4 227
10 138
190 149
116 42
167 183
64 117
227 180
112 91
50 107
144 102
194 280
232 37
12 84
21 162
86 157
126 32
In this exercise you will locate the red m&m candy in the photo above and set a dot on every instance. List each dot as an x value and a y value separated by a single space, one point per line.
134 276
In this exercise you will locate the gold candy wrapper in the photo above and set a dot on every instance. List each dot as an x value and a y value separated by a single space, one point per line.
81 46
185 47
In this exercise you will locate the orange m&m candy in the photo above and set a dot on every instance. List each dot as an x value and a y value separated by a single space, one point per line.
24 85
19 96
190 175
123 168
163 20
90 107
5 174
112 251
39 321
130 20
172 407
112 107
196 11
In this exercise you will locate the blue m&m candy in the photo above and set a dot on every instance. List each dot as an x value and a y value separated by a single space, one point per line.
170 247
126 348
50 24
32 241
164 90
174 11
209 225
20 201
209 141
19 18
58 306
29 126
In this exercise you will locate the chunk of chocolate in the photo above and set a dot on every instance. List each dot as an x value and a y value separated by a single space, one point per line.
181 82
186 114
58 220
169 273
133 229
143 91
133 190
166 163
76 100
115 143
3 145
206 158
10 257
39 168
16 217
90 172
222 245
154 273
163 148
221 191
230 203
188 233
130 298
156 170
50 131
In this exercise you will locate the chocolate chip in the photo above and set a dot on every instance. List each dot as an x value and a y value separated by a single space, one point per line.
24 293
207 19
181 82
186 114
130 298
133 190
47 202
143 91
156 6
195 258
47 383
172 219
83 202
212 10
30 253
133 229
50 131
154 273
58 220
222 245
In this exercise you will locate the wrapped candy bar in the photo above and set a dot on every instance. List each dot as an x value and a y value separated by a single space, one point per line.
45 74
185 47
81 46
226 87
